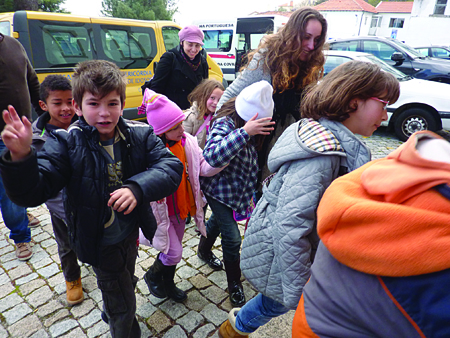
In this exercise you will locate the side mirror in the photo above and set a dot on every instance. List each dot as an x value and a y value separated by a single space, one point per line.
398 58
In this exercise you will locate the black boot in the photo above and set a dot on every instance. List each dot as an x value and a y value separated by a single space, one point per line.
172 291
154 279
235 290
205 253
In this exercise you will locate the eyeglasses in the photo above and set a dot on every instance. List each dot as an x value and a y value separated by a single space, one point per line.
382 101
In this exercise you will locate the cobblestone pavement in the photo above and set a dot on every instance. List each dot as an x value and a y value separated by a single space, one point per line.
32 293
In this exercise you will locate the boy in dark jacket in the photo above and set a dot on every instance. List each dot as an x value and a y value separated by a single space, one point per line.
56 102
110 170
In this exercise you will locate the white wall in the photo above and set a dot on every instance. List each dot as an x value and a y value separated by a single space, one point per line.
346 24
386 31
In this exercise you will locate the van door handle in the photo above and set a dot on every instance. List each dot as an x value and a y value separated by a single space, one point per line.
230 55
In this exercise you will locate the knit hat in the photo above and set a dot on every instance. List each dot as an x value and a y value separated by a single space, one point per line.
256 98
191 34
162 114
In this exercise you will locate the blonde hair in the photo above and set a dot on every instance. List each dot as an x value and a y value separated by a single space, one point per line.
201 94
332 97
281 52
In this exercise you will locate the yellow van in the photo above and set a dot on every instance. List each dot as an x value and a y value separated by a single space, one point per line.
56 42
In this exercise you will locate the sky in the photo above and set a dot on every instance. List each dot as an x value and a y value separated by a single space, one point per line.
188 10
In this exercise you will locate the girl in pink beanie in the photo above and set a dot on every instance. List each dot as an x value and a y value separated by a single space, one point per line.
166 118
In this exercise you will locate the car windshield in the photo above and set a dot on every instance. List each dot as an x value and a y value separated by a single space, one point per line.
384 66
411 51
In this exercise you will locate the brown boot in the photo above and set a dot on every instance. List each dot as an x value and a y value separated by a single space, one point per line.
74 292
228 328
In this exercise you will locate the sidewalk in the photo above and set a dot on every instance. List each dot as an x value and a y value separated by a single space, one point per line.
33 301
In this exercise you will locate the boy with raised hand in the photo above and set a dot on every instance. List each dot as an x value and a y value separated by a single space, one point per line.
110 170
56 102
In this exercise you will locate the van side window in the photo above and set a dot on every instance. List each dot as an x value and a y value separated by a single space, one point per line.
218 40
5 27
170 37
127 46
59 44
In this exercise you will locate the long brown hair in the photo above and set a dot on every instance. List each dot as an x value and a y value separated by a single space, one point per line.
332 97
229 109
201 94
281 53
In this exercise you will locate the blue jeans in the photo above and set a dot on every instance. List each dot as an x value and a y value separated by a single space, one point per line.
15 217
222 222
257 312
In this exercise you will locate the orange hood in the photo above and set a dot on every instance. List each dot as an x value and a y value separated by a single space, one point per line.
385 219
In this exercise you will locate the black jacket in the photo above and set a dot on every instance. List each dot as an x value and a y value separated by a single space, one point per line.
175 79
72 160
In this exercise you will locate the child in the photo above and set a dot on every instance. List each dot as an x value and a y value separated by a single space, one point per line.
281 238
56 102
110 169
383 266
167 120
204 99
231 143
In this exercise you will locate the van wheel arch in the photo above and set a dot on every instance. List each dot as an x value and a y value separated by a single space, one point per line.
414 117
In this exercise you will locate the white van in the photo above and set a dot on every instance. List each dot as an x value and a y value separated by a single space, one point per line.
227 41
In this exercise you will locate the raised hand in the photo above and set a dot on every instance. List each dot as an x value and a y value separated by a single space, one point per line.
262 126
17 134
122 199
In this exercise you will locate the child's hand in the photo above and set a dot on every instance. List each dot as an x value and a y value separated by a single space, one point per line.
122 199
17 134
262 126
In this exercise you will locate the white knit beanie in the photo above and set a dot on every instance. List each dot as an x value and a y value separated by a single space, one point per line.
256 98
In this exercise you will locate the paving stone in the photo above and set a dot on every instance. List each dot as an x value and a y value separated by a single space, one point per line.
6 249
25 327
195 262
25 289
219 278
26 279
196 301
62 327
204 331
188 252
173 309
82 309
40 334
39 296
147 263
47 243
60 288
93 317
214 314
142 287
159 321
56 280
89 283
175 332
10 301
42 236
49 270
4 278
100 328
16 313
52 250
61 314
193 242
139 272
39 255
12 264
145 331
200 281
6 289
20 271
3 243
186 272
146 310
3 332
49 308
43 262
215 294
190 321
96 295
76 333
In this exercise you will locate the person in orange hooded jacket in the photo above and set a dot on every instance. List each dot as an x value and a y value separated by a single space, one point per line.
383 267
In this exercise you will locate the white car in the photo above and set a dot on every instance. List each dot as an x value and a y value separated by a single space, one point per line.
422 105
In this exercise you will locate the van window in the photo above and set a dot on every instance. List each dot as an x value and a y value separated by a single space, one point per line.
345 46
127 46
218 40
170 37
60 44
5 28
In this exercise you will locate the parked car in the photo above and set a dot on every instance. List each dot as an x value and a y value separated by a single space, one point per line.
422 105
397 54
441 52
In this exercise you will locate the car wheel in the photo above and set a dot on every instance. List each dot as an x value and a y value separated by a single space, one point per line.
412 120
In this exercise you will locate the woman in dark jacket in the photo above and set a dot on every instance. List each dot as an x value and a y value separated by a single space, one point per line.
182 68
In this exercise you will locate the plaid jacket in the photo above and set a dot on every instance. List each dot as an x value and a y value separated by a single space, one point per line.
233 186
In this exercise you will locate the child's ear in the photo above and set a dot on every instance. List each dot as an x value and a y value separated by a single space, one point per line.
77 108
354 104
43 105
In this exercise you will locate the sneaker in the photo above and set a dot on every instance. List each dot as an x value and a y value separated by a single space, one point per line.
23 251
32 221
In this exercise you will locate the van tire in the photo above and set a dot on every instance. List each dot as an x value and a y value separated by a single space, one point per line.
412 120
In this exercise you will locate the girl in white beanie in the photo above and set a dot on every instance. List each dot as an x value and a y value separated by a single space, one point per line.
237 131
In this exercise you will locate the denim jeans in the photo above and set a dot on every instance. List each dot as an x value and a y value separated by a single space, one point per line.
222 222
14 216
116 280
68 257
257 312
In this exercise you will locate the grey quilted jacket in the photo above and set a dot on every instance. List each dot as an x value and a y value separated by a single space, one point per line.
281 237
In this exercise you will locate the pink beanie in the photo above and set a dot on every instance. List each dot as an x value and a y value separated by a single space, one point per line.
191 34
162 114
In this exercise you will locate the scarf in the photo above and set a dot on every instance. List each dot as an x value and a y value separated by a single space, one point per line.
194 64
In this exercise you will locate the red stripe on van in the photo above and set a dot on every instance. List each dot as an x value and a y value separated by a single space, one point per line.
220 56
